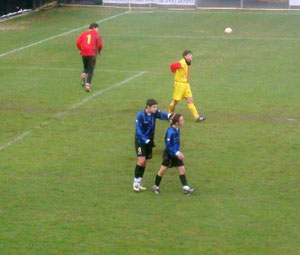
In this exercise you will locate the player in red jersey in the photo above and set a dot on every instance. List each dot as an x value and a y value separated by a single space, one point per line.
90 44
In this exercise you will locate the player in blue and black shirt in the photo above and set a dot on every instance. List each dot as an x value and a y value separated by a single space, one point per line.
144 138
172 156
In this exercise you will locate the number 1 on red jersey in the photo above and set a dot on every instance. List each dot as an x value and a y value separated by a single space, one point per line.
88 39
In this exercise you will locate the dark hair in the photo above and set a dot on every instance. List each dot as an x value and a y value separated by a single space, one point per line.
94 25
176 118
151 102
186 52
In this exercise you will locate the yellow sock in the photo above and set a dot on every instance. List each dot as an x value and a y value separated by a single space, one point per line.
193 110
171 107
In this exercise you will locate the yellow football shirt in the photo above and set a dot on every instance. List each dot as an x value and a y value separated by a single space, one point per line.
182 74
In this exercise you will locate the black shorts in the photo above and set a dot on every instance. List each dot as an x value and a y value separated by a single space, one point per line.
143 150
89 63
169 161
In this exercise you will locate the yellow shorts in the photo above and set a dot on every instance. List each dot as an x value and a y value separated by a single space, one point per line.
181 91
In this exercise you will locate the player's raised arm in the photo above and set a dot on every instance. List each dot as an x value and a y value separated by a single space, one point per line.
164 115
161 115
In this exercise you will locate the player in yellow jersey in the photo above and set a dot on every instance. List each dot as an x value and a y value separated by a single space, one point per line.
182 88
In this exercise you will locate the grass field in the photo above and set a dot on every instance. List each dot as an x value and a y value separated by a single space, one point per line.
67 157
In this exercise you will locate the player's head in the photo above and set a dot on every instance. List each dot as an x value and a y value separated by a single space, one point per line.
94 26
151 106
177 120
188 56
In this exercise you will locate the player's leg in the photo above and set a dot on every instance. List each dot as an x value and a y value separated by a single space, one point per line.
160 174
91 67
178 91
192 107
85 71
186 188
139 173
166 162
140 166
189 98
142 163
172 106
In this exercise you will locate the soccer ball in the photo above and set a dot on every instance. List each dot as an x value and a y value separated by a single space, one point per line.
228 30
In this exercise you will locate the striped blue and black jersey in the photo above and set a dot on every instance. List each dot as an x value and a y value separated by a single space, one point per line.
145 125
172 141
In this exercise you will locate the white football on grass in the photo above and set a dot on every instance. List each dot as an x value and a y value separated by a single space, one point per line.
228 30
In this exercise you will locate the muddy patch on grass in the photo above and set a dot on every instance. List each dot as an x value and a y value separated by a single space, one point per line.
263 118
4 28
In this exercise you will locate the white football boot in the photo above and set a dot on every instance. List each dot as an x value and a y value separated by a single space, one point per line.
137 187
142 187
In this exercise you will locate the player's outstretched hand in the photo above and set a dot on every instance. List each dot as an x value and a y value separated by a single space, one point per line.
171 116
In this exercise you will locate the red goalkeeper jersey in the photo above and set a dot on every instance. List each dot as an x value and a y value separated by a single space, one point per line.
89 43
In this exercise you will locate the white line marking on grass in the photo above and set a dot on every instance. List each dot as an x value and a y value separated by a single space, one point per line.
18 138
232 11
140 12
60 35
58 115
104 90
63 69
229 37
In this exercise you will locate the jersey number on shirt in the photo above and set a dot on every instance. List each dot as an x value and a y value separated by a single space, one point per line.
139 150
88 39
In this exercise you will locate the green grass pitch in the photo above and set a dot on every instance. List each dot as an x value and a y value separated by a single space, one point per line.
67 157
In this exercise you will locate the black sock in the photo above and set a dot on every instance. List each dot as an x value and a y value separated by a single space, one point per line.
139 171
183 180
142 171
157 180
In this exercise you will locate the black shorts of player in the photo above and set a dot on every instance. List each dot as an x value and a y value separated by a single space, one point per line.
169 161
143 150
